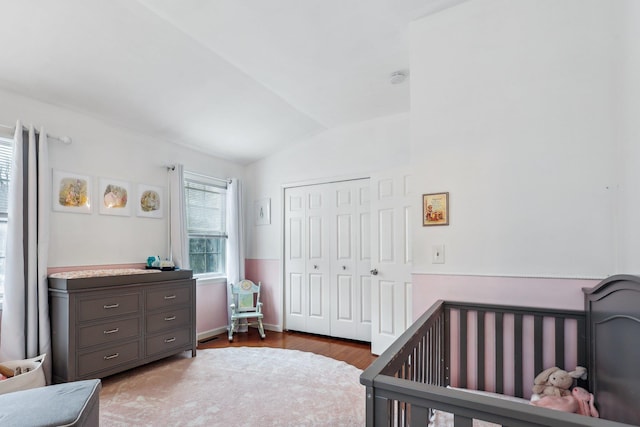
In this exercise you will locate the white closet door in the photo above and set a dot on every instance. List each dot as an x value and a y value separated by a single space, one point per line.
327 257
296 308
350 287
363 261
391 216
318 260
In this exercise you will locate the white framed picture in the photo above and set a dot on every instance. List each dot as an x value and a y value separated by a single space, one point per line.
114 197
263 211
71 192
150 201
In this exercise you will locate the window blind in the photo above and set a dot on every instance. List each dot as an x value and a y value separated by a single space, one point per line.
206 208
6 152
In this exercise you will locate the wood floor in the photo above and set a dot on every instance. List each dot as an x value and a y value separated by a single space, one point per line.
355 353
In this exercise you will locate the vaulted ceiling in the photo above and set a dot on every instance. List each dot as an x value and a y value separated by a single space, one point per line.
238 79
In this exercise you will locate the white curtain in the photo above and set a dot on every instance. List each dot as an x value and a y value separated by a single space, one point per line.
25 313
178 238
235 240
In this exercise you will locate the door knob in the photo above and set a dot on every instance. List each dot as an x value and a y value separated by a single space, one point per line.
315 266
374 272
344 267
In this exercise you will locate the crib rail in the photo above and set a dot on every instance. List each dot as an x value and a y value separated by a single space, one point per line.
478 346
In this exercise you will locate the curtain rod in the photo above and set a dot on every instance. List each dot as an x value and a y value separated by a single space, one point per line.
213 178
64 139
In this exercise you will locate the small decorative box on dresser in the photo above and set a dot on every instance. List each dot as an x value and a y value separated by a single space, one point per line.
108 321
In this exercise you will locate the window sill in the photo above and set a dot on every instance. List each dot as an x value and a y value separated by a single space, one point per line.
210 280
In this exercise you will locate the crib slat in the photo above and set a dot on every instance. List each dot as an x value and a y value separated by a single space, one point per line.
517 330
431 352
559 334
480 360
462 368
538 344
499 331
582 338
419 416
447 346
460 421
441 359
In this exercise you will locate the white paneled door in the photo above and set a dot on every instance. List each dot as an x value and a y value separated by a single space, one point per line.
391 216
327 259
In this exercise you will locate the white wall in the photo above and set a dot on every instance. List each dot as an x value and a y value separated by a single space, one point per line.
103 150
628 79
513 107
355 150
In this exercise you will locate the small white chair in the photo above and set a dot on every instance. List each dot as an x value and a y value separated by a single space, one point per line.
245 305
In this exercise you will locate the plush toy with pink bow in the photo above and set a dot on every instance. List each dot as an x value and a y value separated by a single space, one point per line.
580 401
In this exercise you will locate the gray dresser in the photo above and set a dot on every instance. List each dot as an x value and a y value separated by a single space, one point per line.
105 324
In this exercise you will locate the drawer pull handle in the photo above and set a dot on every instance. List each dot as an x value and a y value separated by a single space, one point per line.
168 340
112 331
108 306
169 319
113 356
170 297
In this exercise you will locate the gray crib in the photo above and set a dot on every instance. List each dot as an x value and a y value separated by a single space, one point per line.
500 349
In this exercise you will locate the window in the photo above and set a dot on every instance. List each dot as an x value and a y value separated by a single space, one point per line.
6 151
205 199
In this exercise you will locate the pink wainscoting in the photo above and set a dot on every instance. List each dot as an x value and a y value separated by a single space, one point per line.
563 294
267 271
211 306
530 292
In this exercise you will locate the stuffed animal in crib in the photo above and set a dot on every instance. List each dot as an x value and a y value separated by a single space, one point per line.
580 401
557 382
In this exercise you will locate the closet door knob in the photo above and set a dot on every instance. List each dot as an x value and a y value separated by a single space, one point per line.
344 267
374 272
315 266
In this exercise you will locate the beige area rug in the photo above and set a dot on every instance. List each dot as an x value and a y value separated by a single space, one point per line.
236 386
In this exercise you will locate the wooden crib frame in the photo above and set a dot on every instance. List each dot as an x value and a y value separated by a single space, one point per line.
407 383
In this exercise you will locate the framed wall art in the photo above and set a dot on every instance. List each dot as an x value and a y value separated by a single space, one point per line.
114 197
149 201
435 209
263 211
71 192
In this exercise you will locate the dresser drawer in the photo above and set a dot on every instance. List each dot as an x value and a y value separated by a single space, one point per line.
168 340
168 297
108 358
108 332
108 306
168 319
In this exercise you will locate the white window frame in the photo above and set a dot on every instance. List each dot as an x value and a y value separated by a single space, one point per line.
218 186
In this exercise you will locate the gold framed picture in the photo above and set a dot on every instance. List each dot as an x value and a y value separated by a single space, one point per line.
150 202
435 209
71 192
113 197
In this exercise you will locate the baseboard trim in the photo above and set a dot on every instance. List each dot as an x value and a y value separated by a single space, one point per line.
223 330
211 333
274 328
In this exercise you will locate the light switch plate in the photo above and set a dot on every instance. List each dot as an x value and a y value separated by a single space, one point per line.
437 254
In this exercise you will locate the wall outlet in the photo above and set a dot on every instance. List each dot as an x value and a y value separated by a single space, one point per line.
437 254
